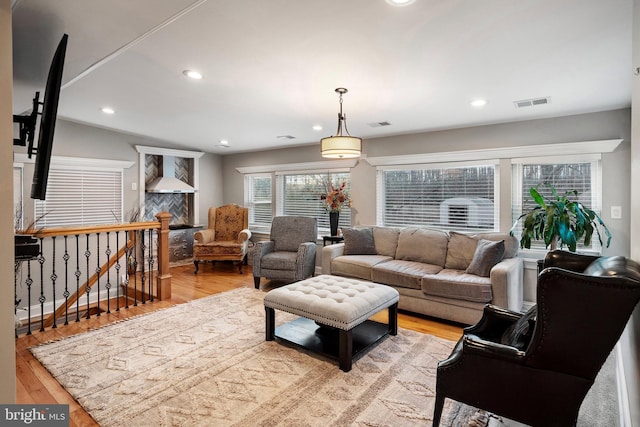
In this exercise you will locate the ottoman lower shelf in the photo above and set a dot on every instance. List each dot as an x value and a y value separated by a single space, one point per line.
325 341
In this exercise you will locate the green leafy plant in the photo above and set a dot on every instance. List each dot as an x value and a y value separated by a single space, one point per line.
560 221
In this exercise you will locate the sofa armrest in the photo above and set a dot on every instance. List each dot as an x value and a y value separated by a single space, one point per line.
329 253
244 235
507 284
204 236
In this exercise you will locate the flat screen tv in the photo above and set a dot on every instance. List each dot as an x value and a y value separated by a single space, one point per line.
48 122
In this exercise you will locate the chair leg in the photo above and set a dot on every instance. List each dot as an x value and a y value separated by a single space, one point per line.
256 282
195 262
437 409
240 267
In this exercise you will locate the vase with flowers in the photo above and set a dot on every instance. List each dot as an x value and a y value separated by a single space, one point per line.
333 200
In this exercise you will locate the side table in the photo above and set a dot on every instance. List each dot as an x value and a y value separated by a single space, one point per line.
331 240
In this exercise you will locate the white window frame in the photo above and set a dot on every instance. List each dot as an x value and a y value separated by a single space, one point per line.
249 201
380 196
345 220
537 248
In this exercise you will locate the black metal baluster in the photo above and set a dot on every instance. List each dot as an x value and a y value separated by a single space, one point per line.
98 269
143 276
135 270
126 282
78 273
108 285
42 298
53 277
150 264
66 282
118 271
87 255
29 282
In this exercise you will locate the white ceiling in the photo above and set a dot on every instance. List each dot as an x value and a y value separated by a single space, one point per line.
271 66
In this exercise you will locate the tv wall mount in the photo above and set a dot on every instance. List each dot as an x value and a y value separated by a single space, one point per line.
27 124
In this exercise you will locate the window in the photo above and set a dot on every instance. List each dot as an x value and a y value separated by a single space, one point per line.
582 175
81 197
448 197
299 194
259 200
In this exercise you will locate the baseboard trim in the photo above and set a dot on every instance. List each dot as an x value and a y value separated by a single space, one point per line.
623 393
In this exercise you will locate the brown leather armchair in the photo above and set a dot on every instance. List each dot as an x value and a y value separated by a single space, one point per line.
536 368
226 238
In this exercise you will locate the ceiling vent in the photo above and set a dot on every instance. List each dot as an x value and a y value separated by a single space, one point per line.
532 102
285 137
379 124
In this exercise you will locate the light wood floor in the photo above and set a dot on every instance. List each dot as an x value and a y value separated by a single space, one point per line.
36 385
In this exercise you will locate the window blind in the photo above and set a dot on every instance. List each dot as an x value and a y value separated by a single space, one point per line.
299 194
451 198
81 197
259 200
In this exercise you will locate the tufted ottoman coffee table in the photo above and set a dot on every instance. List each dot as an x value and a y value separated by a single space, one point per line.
335 312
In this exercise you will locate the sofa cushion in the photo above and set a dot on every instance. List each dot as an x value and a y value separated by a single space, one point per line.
460 250
487 255
405 274
358 241
358 266
511 243
386 240
422 245
457 284
279 261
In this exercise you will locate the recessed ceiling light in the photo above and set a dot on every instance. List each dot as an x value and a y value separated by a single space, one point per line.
400 2
316 128
192 74
108 110
478 102
224 142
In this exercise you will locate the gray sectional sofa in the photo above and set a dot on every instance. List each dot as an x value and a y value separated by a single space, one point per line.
448 275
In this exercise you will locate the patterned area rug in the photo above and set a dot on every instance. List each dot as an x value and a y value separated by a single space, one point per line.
206 363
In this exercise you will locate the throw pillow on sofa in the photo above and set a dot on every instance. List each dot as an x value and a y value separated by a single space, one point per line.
487 255
460 250
358 241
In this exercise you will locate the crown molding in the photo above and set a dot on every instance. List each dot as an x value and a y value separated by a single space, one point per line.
561 149
323 165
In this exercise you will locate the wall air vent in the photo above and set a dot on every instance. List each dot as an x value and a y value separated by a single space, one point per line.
532 102
379 124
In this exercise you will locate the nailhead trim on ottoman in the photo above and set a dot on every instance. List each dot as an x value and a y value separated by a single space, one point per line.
335 301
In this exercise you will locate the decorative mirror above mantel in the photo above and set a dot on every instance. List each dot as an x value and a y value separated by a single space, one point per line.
169 181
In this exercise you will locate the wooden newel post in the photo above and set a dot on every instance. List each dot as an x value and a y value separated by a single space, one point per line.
164 277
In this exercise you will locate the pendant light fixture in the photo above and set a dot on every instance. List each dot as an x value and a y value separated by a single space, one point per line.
341 146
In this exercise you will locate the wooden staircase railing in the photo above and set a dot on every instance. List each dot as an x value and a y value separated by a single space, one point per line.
163 277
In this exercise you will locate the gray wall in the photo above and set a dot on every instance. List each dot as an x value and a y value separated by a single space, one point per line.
614 124
78 140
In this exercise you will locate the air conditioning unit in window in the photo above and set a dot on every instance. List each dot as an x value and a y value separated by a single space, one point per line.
466 212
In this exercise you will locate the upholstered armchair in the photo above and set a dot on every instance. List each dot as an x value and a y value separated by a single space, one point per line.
537 368
225 239
290 252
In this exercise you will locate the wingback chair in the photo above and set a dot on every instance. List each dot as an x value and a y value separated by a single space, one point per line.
537 368
290 252
225 239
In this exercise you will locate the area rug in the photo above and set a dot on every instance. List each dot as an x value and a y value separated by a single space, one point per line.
206 363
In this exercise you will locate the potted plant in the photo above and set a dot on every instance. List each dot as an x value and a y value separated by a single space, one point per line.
560 222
